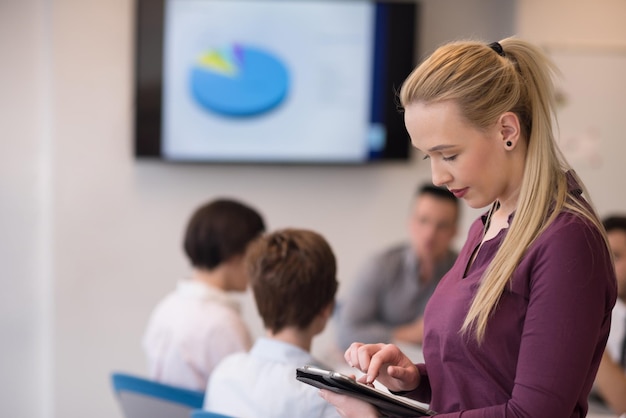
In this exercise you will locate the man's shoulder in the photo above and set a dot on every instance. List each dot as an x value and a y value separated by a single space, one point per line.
393 252
235 369
217 317
234 361
388 259
163 309
385 263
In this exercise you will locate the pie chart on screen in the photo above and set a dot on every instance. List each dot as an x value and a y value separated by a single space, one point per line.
239 81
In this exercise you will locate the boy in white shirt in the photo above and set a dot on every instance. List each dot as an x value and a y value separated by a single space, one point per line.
293 277
199 323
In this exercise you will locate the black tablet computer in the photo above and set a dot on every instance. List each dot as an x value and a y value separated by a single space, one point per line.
389 405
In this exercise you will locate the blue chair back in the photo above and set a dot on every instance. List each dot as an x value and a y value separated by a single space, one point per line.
198 413
140 398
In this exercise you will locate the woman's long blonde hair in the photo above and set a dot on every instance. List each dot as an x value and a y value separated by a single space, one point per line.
485 84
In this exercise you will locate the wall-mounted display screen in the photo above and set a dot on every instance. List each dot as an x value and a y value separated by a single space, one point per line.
272 81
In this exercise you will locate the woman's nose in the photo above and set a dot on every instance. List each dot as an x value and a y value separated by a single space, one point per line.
439 174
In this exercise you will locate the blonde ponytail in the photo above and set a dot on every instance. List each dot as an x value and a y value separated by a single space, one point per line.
486 84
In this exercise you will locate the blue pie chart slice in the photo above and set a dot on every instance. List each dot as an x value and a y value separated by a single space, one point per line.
239 81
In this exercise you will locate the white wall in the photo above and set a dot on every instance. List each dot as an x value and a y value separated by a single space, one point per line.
588 40
91 237
446 20
25 226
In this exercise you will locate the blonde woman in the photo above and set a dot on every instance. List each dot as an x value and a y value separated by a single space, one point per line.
518 326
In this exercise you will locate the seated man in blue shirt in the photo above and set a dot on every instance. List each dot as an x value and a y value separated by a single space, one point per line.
387 301
293 277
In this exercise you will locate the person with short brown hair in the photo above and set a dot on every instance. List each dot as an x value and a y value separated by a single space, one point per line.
199 323
293 277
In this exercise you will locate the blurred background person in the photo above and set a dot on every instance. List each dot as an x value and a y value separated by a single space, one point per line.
387 301
293 277
611 377
199 323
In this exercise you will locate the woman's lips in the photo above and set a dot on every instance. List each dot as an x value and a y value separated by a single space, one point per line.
459 193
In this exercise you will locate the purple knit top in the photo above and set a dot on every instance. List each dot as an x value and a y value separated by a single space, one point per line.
544 342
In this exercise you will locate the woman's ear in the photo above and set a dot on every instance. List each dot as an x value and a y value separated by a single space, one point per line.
509 130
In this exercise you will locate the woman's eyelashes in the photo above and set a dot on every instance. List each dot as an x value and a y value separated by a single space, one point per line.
443 157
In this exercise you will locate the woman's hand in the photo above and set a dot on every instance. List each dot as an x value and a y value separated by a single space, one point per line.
348 406
385 363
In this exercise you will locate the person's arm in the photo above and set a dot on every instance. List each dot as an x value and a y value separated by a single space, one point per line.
359 313
413 332
611 384
410 333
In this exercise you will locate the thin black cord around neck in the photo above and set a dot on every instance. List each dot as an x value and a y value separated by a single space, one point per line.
494 207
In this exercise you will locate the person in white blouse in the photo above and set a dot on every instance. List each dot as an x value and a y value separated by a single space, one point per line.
611 378
293 277
199 323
